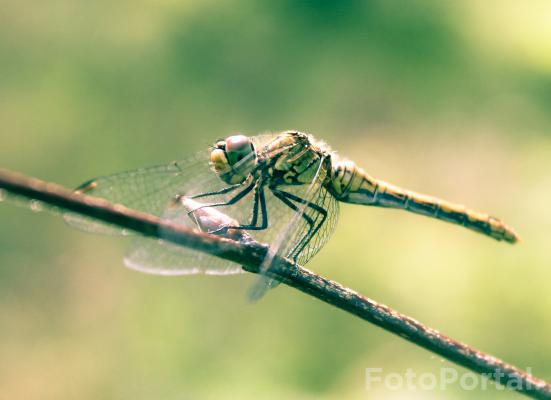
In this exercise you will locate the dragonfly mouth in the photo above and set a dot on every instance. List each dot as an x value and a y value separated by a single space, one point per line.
219 144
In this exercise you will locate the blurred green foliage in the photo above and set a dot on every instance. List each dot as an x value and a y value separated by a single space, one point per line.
451 99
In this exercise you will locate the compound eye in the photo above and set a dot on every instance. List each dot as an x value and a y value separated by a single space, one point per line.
238 147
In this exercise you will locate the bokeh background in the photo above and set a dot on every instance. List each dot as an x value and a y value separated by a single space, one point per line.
448 98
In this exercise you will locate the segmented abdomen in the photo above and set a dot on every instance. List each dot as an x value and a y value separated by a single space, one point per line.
352 184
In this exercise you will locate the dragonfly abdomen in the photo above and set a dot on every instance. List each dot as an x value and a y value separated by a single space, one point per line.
352 184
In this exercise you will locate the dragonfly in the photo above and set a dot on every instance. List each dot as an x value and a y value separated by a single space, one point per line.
281 189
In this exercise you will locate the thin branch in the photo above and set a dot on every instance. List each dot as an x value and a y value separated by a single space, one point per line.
250 255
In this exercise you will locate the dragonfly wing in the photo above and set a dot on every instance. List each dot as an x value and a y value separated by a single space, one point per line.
325 226
312 223
162 258
152 189
157 190
146 189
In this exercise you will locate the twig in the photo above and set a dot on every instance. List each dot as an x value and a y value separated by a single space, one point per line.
250 255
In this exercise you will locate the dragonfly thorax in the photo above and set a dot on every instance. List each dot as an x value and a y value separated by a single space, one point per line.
293 158
234 158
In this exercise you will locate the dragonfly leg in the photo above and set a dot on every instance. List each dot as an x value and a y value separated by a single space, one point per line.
231 201
229 189
314 225
259 199
263 212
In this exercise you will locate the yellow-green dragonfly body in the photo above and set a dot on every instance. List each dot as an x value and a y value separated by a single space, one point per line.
281 189
293 158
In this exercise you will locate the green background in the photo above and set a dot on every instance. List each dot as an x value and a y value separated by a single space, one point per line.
447 98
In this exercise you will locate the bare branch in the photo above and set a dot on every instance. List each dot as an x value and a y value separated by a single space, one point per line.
250 255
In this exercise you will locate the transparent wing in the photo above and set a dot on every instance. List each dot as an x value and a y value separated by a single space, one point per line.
154 190
313 221
146 189
162 258
324 227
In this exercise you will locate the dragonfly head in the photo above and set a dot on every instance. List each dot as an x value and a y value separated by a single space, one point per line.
233 158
